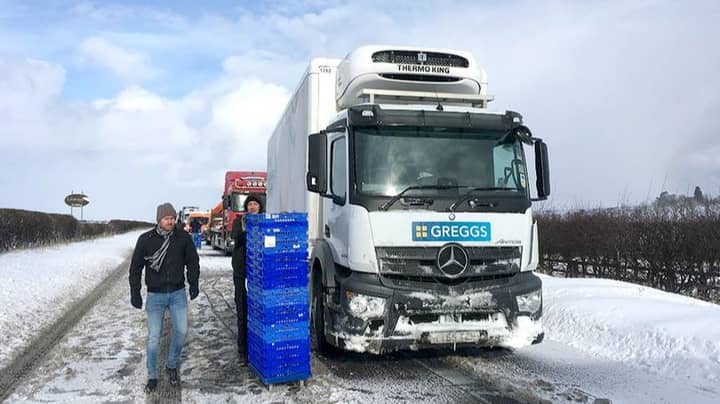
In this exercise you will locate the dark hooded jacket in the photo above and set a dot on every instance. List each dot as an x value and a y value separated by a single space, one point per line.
181 253
239 236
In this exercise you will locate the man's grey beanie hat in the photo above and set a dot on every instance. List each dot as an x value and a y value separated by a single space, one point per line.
166 209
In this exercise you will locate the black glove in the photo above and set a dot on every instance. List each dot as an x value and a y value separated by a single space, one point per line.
194 291
136 300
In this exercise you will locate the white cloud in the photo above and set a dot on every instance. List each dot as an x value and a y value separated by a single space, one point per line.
97 52
111 13
134 98
135 145
246 109
28 84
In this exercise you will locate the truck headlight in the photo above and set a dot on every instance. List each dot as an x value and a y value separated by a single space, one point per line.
365 306
530 302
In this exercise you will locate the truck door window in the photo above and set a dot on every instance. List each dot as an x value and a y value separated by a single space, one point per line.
237 202
509 166
338 166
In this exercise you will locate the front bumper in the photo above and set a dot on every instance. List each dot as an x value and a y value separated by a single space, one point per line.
469 314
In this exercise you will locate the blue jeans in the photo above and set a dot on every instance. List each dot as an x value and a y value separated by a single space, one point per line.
197 239
157 303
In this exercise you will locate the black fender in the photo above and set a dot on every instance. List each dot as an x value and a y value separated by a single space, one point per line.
322 255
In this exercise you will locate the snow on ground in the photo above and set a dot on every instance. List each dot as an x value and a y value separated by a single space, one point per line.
663 333
39 284
102 359
620 341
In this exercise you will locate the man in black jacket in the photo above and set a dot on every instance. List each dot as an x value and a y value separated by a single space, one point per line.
164 252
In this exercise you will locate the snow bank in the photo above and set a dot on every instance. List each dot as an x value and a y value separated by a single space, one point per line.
660 332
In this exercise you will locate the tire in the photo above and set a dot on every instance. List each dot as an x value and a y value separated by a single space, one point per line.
319 340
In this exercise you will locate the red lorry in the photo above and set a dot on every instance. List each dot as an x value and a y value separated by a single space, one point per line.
238 185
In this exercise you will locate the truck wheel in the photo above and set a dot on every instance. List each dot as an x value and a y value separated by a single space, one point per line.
318 319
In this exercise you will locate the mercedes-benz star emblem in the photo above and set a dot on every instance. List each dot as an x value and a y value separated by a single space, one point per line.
452 260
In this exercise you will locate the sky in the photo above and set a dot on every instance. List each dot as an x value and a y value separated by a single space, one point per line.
137 103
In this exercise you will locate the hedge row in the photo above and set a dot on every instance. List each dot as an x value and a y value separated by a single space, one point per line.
673 248
27 229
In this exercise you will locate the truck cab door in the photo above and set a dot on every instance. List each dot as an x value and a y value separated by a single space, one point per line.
336 212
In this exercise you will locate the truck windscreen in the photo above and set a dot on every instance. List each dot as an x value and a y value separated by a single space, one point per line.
388 160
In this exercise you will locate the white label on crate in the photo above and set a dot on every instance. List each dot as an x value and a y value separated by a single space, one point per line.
269 241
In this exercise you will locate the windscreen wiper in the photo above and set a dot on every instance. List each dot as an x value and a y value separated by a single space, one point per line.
469 193
397 197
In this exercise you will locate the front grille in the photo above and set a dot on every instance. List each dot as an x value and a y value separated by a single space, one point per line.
442 285
413 267
420 77
420 58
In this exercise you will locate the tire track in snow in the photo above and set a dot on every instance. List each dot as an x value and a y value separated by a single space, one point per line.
32 355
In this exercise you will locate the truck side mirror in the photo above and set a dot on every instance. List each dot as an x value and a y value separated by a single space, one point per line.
542 170
316 178
226 202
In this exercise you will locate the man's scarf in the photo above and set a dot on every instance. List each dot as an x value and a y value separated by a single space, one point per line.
156 260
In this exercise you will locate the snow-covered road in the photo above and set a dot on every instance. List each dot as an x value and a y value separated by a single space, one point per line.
604 339
102 359
40 284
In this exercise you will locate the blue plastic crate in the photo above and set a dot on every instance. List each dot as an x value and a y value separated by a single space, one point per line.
297 350
269 277
269 268
289 313
258 241
290 266
279 358
259 256
279 332
283 378
266 218
279 246
291 230
276 297
277 365
264 281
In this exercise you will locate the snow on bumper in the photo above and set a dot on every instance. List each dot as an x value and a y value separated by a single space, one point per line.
464 316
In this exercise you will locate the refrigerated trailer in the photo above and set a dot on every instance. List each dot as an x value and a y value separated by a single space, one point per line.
418 199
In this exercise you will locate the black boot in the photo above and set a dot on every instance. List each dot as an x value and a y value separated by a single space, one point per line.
173 376
151 385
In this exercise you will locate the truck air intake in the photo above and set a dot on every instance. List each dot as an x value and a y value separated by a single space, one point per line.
420 58
419 77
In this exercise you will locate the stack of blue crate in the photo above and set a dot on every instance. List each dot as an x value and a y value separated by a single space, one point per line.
278 304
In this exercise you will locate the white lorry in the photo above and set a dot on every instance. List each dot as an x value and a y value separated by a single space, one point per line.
420 222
